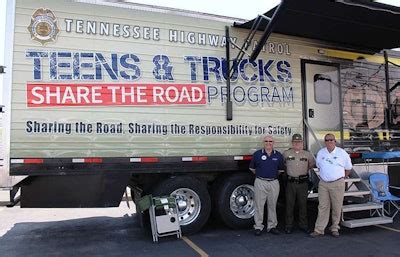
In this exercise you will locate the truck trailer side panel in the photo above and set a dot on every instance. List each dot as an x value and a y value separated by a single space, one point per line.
103 95
118 82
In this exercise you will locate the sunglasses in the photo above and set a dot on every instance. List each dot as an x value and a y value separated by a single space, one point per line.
266 141
327 140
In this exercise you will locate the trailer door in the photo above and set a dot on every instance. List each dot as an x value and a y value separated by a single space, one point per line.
322 97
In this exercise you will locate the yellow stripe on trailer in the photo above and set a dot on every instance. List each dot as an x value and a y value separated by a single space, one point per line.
383 135
321 133
355 56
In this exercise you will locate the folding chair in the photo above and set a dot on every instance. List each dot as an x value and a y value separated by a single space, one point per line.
379 183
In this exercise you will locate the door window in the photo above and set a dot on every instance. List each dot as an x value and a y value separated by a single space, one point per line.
322 89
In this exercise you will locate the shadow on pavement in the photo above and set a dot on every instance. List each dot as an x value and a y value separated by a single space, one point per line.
99 236
121 236
218 240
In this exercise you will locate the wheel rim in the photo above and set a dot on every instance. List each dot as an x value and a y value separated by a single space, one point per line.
242 202
189 205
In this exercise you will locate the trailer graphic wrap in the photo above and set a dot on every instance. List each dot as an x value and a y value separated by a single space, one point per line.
101 95
123 82
43 27
68 66
367 122
47 94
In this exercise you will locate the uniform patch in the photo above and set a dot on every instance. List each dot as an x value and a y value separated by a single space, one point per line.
303 159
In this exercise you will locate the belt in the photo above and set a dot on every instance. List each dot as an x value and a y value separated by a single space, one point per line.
333 180
300 179
267 179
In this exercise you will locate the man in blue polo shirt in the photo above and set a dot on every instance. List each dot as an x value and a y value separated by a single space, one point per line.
266 164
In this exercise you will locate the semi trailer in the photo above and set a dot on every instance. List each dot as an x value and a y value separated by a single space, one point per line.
103 95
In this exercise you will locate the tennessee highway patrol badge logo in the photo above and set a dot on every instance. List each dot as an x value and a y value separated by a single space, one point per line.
43 27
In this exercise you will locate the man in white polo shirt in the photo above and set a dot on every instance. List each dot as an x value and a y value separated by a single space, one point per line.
334 165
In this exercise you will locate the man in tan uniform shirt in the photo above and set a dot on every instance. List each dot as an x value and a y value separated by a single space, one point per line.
298 162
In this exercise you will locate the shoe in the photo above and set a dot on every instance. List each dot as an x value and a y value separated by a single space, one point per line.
274 231
315 234
257 232
335 234
288 230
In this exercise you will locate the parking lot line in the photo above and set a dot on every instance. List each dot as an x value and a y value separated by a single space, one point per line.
195 247
387 228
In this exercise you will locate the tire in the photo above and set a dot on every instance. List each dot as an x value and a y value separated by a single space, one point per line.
234 200
194 203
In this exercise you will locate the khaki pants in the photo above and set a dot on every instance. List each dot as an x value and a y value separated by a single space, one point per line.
330 195
296 192
265 191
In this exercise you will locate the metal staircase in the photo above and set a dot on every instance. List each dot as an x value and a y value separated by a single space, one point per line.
358 198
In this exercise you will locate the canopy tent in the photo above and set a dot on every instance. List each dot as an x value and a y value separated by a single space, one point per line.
361 24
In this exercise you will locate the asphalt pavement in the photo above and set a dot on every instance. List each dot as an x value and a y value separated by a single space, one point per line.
115 232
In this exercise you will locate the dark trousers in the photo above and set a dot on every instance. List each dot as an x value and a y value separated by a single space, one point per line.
296 192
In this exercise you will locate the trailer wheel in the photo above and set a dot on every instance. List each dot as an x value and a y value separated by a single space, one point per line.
194 204
234 200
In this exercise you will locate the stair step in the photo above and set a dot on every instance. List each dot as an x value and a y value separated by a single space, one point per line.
357 193
347 193
352 180
366 222
361 207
